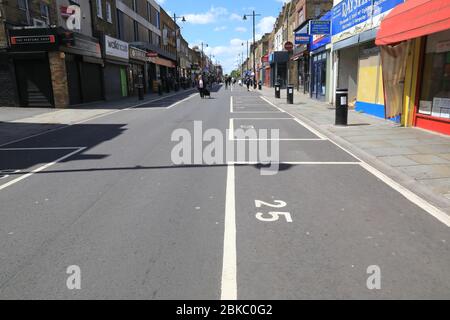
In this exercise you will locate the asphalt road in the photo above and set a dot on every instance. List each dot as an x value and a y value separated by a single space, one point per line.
106 196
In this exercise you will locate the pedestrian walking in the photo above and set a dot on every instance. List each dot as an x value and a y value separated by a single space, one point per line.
201 87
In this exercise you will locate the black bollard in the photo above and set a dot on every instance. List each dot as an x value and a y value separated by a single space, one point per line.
341 107
277 90
290 94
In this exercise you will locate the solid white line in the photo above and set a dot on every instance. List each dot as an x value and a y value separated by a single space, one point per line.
263 119
421 203
231 130
231 104
34 149
80 122
10 183
317 133
300 163
408 194
258 112
287 139
181 101
229 267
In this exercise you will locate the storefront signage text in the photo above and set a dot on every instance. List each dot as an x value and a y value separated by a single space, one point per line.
302 38
319 27
351 17
116 48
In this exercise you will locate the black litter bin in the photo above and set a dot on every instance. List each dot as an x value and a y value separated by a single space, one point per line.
260 85
277 90
341 107
290 94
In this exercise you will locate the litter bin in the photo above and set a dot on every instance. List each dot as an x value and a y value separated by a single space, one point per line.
341 107
277 90
260 85
290 94
140 87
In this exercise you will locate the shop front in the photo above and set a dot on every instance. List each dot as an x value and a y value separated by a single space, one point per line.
358 60
426 93
137 71
33 56
83 59
278 63
116 56
321 65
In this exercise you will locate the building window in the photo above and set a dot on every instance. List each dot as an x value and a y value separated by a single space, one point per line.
108 12
98 4
120 24
44 13
22 4
134 5
136 31
435 91
157 20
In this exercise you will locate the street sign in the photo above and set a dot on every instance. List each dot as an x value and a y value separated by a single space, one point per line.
302 38
288 46
320 27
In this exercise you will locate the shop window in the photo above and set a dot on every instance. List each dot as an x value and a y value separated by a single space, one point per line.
435 90
98 4
108 12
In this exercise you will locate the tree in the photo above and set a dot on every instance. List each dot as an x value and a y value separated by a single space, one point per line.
235 74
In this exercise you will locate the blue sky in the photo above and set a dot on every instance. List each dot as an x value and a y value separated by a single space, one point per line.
219 24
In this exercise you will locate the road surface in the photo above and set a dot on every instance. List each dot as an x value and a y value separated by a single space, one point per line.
105 195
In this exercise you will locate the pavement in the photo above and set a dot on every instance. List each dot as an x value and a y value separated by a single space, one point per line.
105 195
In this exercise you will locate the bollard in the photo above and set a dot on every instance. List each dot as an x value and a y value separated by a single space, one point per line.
160 89
141 92
341 107
277 91
290 94
260 85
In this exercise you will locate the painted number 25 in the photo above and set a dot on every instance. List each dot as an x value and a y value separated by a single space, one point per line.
272 216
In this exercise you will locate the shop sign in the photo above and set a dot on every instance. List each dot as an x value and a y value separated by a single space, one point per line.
34 39
350 17
152 54
443 46
138 54
116 48
320 40
319 27
302 38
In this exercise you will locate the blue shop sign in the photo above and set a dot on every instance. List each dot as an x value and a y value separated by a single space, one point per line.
320 27
321 40
302 38
350 13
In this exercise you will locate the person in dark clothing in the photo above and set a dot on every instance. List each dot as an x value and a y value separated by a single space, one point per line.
201 87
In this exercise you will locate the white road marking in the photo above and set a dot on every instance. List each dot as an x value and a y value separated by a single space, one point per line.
314 131
239 163
232 136
408 194
229 268
10 183
181 101
35 149
231 104
421 203
82 121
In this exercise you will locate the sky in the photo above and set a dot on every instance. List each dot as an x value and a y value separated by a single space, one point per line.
219 24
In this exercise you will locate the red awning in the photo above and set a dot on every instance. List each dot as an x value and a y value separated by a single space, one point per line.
413 19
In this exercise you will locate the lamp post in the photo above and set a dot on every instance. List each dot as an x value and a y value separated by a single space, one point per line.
177 29
253 15
203 56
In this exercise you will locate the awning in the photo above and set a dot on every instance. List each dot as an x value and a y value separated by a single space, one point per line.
413 19
162 62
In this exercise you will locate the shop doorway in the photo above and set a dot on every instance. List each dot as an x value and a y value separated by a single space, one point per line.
319 80
34 82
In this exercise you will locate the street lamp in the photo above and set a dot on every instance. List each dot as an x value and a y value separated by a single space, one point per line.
253 15
177 29
203 58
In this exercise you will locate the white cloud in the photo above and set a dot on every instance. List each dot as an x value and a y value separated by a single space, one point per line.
241 29
235 16
207 17
222 28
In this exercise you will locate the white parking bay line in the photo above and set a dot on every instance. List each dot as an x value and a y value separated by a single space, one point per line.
10 183
229 267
